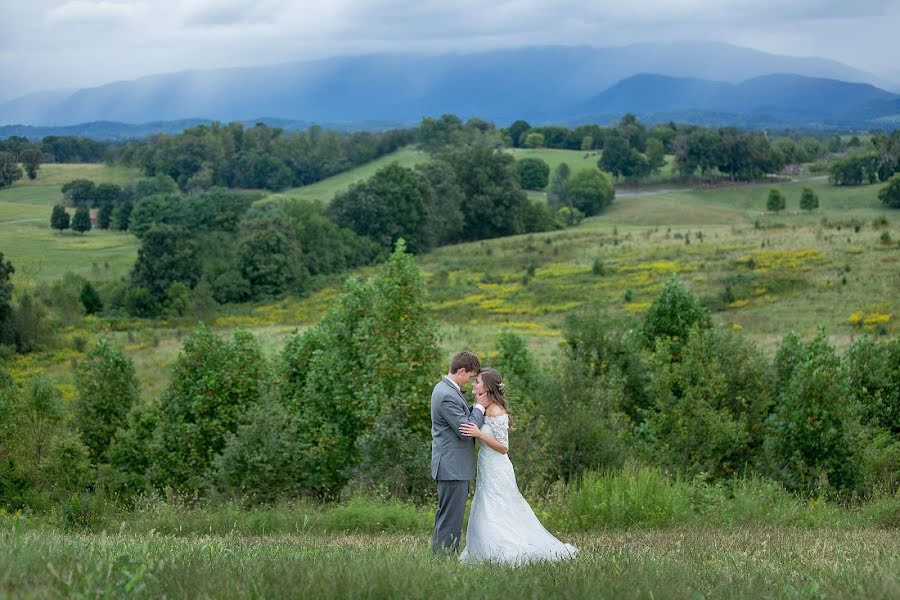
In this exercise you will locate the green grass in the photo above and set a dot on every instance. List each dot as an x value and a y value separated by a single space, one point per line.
47 188
750 563
325 190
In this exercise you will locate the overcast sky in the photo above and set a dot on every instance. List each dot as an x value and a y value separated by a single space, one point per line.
52 44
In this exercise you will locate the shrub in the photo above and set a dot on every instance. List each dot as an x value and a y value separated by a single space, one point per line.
533 173
875 381
214 382
673 313
710 405
814 439
107 389
265 459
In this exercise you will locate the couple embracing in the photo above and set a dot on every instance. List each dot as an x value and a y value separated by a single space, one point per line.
502 526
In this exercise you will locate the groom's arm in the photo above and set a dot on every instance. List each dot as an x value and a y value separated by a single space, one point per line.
456 415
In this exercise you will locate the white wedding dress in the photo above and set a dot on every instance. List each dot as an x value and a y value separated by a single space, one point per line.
502 527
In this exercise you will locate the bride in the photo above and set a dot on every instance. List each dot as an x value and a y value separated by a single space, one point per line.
502 526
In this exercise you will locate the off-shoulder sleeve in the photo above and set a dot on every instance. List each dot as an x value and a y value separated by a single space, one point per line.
501 432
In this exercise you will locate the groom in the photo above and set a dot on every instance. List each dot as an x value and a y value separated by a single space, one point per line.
452 454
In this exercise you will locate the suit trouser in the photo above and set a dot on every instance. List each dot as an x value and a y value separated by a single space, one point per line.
448 518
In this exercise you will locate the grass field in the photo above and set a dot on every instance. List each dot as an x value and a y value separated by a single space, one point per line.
791 273
38 253
747 563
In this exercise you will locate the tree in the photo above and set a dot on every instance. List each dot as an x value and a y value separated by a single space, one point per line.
31 159
107 389
589 191
776 201
809 200
673 313
656 155
81 222
616 155
533 173
6 307
556 195
534 139
59 218
271 260
90 299
10 171
516 132
890 194
79 192
493 200
168 254
214 383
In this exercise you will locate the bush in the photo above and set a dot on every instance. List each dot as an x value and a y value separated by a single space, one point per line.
875 381
107 389
41 460
673 313
214 382
814 439
265 459
534 173
710 405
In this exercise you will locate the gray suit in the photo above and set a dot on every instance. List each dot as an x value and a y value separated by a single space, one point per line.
452 461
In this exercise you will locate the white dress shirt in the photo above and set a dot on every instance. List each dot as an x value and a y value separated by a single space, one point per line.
456 385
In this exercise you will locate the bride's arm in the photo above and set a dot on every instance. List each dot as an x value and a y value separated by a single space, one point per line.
472 431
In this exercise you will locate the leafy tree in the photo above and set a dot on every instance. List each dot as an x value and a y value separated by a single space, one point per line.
533 173
445 217
809 200
656 155
534 139
438 134
517 131
556 195
890 194
107 389
673 313
393 203
589 191
875 381
814 436
493 200
616 156
59 218
121 216
375 351
31 160
214 383
167 255
79 192
90 299
776 201
81 222
43 461
10 171
6 306
270 259
710 402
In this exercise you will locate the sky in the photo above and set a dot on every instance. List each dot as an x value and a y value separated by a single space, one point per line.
67 44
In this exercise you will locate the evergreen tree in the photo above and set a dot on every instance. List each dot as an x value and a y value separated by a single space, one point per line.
81 222
59 219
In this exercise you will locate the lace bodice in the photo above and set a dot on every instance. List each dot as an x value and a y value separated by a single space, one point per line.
498 428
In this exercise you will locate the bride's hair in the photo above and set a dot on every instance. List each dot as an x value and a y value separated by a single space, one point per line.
493 385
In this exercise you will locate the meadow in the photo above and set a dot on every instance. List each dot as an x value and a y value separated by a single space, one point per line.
762 274
641 534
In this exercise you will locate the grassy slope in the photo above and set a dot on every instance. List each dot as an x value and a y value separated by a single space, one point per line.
41 254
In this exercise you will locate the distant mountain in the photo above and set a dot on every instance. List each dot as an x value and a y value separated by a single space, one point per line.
780 97
539 84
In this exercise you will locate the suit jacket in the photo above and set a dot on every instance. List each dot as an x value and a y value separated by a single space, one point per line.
452 454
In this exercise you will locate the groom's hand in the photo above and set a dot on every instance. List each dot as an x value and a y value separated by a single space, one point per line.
470 430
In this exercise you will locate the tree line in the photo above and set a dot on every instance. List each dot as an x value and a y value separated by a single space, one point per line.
344 408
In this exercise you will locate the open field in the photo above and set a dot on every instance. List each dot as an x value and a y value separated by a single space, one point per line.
744 563
797 271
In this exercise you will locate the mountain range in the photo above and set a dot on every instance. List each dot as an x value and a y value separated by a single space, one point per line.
705 82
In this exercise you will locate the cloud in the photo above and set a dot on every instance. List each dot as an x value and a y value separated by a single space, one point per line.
54 43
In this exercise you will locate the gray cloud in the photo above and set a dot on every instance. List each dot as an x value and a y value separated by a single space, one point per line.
47 44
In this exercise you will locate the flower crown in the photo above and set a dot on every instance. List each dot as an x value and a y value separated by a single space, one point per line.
501 386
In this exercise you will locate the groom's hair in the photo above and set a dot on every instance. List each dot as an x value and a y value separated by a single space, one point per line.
465 360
